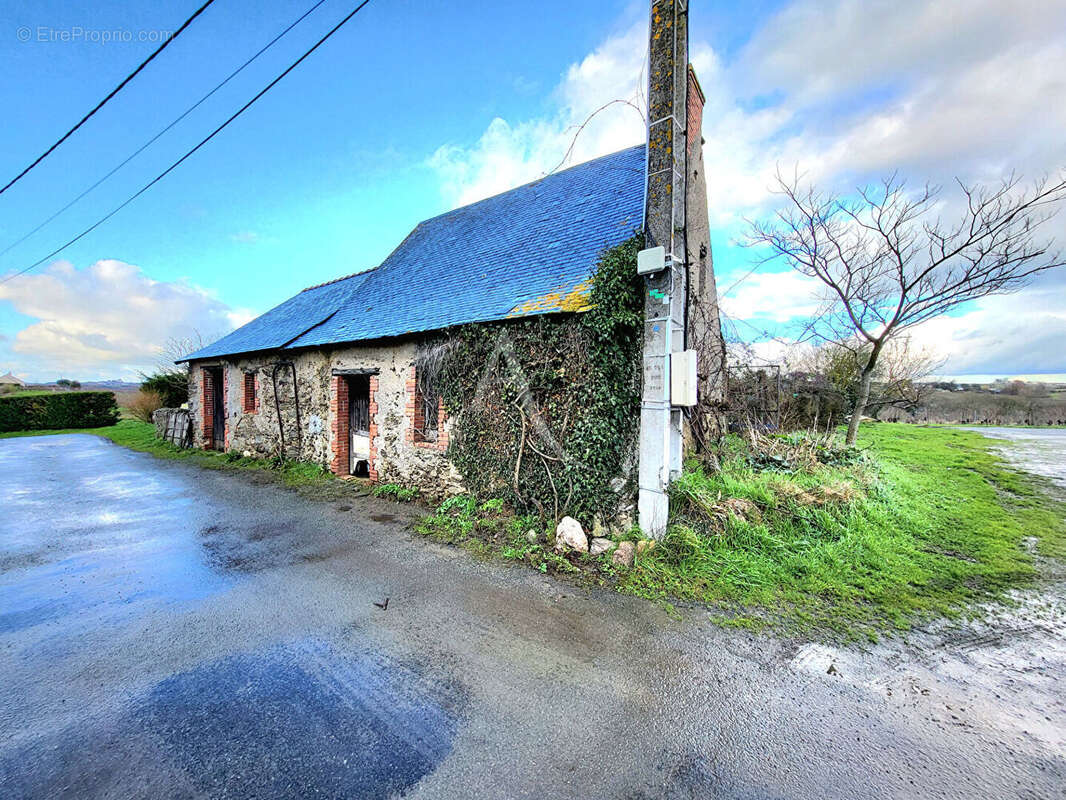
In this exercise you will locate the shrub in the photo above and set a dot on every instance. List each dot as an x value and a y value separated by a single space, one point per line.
56 411
171 386
144 403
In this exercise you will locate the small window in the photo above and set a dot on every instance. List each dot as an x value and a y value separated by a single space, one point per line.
427 416
430 407
249 392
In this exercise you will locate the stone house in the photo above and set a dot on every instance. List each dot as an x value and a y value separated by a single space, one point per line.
330 375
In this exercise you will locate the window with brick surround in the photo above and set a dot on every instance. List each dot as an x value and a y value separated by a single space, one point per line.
425 412
427 416
249 392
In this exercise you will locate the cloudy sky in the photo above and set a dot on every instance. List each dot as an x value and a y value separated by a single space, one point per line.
417 107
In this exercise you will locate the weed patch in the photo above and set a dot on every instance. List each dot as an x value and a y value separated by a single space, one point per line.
393 491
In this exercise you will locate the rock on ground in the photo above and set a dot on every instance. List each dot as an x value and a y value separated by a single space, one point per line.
569 533
600 545
623 554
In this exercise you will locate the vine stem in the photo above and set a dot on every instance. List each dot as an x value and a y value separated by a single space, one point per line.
550 480
521 447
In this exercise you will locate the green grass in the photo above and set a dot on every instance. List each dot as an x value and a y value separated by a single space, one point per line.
929 522
140 436
393 491
488 529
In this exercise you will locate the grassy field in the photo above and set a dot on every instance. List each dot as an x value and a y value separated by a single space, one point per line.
927 522
921 522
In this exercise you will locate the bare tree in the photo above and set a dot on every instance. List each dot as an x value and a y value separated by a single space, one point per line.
889 262
897 379
178 347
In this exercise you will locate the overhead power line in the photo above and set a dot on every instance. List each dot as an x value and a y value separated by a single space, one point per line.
202 142
178 119
111 94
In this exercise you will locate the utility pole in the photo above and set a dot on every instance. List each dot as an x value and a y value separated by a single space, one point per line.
663 262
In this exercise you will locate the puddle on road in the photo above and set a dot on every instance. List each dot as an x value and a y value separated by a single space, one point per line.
244 546
27 617
297 720
74 546
1041 451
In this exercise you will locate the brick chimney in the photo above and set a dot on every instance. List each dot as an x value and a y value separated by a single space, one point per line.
704 328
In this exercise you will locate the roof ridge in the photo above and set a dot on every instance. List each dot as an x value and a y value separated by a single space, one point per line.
535 180
338 280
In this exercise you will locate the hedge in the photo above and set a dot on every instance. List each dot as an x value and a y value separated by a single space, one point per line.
44 412
172 387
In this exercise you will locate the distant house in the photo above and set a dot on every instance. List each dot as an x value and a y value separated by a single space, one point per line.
9 382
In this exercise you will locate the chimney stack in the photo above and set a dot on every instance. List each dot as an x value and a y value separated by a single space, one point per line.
704 329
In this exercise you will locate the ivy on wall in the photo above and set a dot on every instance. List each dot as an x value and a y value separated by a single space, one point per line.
546 409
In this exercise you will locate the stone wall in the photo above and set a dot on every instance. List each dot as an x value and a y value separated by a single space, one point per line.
252 425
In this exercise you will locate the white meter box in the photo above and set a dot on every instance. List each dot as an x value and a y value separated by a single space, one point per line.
651 260
683 378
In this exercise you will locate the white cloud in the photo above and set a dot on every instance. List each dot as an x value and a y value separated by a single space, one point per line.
1017 333
108 320
931 90
821 50
934 90
776 296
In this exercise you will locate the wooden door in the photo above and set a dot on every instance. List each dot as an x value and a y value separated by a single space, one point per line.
218 412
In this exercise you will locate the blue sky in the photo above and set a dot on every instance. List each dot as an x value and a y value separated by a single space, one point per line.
414 108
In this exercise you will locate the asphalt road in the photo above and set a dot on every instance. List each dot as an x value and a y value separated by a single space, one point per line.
171 632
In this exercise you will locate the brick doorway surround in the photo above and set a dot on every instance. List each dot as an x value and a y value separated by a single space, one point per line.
209 380
339 409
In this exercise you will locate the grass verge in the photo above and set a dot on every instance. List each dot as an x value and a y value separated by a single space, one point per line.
921 522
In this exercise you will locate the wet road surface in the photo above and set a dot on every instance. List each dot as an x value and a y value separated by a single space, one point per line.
171 632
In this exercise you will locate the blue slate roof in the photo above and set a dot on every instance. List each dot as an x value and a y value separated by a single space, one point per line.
532 250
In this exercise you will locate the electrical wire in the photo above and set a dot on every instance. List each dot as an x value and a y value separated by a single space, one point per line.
111 94
178 119
181 160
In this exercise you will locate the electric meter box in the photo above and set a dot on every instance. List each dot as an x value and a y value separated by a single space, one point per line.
651 260
683 378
